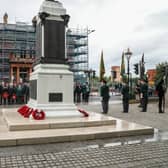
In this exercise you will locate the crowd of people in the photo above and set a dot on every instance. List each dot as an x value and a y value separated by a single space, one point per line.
141 91
81 92
12 93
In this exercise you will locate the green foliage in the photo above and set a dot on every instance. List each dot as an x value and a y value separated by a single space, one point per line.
160 71
124 78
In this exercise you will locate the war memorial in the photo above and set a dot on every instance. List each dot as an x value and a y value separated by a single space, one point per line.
51 95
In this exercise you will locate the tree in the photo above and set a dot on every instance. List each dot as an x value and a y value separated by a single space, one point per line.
122 73
160 71
142 67
102 67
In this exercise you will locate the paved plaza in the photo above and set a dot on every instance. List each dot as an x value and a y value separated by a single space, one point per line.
136 151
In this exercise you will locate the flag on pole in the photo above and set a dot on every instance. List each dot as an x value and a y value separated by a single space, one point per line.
142 66
122 72
102 68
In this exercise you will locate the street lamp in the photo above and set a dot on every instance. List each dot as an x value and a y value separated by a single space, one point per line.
128 55
88 32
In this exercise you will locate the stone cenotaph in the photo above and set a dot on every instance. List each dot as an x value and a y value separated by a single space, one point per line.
51 83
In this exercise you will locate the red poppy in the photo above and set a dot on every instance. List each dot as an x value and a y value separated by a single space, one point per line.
14 96
38 115
5 95
83 112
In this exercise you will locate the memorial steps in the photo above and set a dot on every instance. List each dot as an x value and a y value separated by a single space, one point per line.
17 130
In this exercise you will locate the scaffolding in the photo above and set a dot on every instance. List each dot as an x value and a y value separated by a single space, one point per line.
16 41
17 45
77 53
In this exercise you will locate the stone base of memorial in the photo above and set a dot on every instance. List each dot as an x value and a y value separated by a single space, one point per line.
52 90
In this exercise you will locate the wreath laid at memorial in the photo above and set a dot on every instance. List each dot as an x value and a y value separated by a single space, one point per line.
83 112
26 111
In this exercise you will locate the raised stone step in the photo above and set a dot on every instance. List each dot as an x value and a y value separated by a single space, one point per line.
37 132
16 122
72 134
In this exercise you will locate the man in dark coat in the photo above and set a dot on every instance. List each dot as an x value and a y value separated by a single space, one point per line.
1 88
77 93
144 94
104 93
125 97
161 94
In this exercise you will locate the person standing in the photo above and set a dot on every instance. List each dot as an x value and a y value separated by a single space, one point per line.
1 89
77 93
5 93
144 94
87 92
161 94
19 94
125 97
104 93
10 92
138 91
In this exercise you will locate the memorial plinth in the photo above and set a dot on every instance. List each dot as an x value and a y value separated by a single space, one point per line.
51 83
53 90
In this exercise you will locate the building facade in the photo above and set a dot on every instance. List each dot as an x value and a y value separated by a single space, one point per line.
151 73
115 74
77 53
17 51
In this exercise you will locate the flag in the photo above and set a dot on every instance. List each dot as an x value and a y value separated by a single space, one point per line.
122 72
143 58
142 66
102 68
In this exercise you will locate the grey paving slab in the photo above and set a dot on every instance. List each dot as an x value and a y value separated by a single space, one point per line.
124 152
153 154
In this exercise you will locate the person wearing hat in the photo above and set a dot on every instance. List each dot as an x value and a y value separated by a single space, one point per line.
144 94
104 93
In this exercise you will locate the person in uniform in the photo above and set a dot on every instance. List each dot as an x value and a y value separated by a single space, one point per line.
144 94
104 93
1 88
138 86
161 94
125 97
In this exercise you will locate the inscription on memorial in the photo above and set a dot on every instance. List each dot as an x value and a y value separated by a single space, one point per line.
33 89
55 97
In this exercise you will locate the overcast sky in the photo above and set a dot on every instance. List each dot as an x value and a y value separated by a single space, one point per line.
141 25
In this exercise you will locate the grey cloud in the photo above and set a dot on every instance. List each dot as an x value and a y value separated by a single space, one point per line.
158 20
155 21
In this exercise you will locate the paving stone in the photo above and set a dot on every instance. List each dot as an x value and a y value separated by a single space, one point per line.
144 154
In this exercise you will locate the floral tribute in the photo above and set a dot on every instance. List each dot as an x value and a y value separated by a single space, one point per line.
5 95
83 112
14 96
26 111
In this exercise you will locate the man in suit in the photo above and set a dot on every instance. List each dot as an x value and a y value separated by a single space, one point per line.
144 94
104 93
161 94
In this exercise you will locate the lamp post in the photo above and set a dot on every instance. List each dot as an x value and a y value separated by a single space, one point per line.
128 55
88 32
